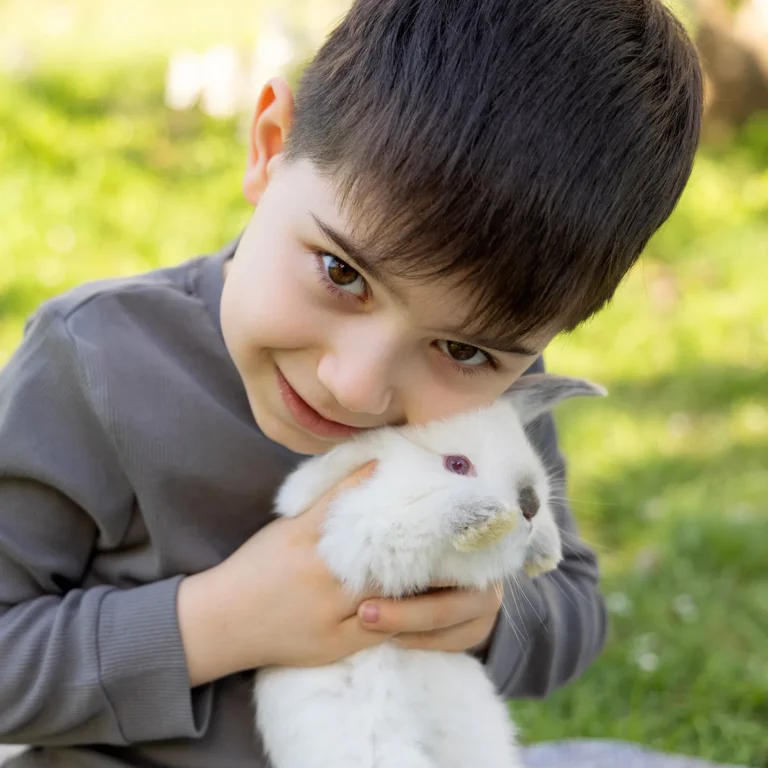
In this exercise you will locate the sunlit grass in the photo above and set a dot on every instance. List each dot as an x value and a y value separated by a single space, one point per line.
669 475
670 482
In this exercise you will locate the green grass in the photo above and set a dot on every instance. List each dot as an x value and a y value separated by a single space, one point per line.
669 475
669 478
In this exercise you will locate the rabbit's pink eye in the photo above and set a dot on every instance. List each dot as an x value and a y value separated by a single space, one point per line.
459 465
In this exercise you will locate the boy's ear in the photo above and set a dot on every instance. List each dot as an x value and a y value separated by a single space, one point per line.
538 393
269 130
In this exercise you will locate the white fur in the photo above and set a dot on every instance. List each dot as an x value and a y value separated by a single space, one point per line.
389 707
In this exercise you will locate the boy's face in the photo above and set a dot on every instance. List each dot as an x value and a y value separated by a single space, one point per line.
325 345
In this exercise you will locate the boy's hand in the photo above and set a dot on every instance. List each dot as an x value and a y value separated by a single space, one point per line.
273 602
444 620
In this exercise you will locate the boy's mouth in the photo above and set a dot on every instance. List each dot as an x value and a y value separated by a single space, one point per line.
307 417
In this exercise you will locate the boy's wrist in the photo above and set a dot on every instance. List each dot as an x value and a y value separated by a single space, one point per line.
209 634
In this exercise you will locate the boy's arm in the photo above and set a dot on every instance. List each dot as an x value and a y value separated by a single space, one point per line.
559 617
97 665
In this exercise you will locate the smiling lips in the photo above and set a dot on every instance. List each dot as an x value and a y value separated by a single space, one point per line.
307 417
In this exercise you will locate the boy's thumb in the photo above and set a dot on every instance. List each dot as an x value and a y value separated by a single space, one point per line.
318 510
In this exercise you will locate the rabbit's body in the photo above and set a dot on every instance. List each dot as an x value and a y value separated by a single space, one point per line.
462 501
386 707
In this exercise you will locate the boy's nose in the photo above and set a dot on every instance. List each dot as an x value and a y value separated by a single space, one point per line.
358 382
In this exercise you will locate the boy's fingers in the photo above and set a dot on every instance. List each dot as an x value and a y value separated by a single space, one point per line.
455 639
353 636
316 513
430 612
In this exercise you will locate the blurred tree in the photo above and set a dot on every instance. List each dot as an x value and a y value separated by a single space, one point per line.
732 36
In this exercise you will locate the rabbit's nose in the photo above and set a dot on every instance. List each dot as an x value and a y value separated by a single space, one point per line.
529 502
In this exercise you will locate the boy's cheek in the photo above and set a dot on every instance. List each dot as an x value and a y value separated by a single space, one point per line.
259 310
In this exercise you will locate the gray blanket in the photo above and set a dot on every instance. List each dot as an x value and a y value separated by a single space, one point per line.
605 754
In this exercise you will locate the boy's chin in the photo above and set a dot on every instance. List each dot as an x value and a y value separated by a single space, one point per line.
294 438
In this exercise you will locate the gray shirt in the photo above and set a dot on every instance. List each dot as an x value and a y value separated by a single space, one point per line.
129 458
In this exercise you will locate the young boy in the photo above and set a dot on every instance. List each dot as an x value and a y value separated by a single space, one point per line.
457 182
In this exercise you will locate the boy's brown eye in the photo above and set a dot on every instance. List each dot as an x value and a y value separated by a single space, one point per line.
461 352
465 354
341 273
341 276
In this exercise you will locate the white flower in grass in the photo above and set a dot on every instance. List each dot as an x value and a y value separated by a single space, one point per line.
755 418
653 509
743 513
647 560
646 642
644 653
648 662
685 608
619 604
679 425
51 272
61 238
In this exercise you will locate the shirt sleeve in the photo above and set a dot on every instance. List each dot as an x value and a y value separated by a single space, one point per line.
554 626
96 665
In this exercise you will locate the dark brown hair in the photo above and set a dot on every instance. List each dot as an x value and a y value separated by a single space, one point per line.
529 148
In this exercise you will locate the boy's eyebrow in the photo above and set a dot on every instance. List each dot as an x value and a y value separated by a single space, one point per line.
342 242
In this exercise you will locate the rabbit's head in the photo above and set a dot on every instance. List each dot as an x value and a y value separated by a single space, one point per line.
464 500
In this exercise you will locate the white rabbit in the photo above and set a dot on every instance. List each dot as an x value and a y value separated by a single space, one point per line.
465 501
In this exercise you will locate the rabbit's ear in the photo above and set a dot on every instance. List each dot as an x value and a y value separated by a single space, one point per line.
538 393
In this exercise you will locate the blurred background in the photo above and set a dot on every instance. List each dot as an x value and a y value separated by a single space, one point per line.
122 147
